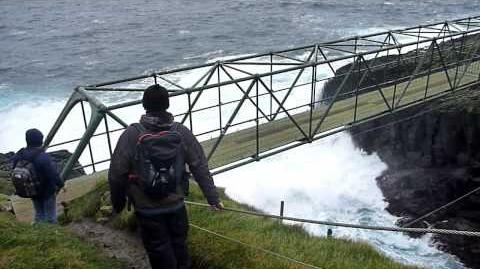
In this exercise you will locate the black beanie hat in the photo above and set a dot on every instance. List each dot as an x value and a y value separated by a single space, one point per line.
34 138
155 98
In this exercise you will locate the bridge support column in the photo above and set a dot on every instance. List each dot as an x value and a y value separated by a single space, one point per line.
98 111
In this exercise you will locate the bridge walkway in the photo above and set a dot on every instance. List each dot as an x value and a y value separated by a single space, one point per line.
241 144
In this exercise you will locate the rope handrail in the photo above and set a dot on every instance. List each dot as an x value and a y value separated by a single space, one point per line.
347 225
441 207
278 255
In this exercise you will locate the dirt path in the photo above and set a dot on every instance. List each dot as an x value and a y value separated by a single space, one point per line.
121 245
118 244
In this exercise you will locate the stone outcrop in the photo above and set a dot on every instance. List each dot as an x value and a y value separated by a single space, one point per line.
433 156
5 165
5 203
366 75
60 157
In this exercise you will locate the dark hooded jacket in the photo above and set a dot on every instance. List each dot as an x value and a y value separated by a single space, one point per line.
44 166
122 164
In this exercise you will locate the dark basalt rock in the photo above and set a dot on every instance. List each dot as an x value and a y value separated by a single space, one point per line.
60 157
433 158
432 149
466 248
4 163
392 69
402 222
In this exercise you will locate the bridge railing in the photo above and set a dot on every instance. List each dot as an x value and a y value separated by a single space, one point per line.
248 108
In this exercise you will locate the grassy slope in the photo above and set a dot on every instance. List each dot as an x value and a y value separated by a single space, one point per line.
212 252
46 246
6 186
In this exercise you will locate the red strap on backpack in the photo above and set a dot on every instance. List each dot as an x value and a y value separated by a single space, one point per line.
132 177
142 137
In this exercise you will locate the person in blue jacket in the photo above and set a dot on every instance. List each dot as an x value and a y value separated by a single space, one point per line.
45 202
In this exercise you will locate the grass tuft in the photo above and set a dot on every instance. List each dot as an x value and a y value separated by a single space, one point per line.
46 246
211 252
6 186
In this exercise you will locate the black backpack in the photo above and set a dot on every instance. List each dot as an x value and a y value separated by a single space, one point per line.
25 178
160 162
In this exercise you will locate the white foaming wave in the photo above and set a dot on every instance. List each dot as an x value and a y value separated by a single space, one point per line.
330 180
97 21
21 117
208 120
204 55
17 32
93 62
42 115
229 57
356 199
369 30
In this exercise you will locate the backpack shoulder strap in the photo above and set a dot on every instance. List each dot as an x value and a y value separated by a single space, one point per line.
31 158
36 154
140 128
174 126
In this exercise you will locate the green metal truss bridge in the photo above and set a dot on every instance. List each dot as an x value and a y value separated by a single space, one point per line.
248 108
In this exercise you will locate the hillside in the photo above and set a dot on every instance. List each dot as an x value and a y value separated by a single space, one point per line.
25 246
209 251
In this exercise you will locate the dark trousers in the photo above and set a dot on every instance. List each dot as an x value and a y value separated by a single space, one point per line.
165 239
45 209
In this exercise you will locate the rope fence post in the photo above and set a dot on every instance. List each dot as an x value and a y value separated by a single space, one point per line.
282 208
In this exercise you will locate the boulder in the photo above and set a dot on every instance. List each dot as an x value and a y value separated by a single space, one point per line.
60 157
5 203
5 165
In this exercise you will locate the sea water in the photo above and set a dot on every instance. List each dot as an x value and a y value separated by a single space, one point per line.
48 47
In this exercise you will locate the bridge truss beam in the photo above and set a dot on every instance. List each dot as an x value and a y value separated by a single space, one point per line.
248 108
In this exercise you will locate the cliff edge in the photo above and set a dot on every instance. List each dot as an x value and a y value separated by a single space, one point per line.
433 155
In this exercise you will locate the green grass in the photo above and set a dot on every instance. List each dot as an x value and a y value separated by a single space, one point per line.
84 206
45 246
211 252
22 246
6 186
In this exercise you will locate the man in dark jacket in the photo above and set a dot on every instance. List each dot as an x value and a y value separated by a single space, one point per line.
45 202
163 222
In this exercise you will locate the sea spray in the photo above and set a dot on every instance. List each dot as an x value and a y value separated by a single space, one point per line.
330 180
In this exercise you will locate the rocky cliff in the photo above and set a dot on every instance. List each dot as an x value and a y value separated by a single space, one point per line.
368 75
433 154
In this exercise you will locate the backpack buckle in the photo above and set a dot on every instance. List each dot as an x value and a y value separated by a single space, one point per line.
133 177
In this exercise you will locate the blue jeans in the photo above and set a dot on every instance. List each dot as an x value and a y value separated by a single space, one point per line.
45 209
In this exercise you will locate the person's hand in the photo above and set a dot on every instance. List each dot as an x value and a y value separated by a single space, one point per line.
217 207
